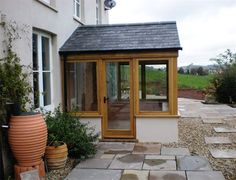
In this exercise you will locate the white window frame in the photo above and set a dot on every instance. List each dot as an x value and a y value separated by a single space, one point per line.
98 11
40 69
47 1
80 9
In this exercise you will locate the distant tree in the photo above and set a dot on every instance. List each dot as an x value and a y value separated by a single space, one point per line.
181 70
193 71
225 80
200 71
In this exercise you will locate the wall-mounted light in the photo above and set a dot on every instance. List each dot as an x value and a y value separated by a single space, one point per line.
109 4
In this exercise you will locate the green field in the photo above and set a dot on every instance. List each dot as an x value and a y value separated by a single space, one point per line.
193 81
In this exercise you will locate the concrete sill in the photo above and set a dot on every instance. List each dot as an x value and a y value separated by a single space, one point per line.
47 5
78 20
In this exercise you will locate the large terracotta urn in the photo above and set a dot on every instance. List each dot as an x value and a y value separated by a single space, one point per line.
27 138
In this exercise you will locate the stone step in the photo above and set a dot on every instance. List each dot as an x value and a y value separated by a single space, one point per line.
217 140
223 154
212 121
225 130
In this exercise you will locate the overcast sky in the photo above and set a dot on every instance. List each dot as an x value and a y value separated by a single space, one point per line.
206 27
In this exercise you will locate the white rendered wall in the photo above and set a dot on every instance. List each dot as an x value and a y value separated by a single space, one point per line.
95 123
58 22
163 130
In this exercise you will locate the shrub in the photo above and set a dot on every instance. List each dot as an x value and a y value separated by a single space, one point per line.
225 80
79 137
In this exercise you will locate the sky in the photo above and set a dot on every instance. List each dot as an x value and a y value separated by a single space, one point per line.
206 27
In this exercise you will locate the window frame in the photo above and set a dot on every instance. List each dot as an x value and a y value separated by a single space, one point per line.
98 12
40 70
138 112
85 113
78 2
47 1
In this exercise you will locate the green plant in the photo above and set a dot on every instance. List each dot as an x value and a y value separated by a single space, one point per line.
14 84
225 80
78 136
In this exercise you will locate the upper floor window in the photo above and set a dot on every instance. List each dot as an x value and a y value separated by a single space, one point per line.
98 11
77 9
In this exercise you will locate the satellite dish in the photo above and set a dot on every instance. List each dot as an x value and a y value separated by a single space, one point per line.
109 4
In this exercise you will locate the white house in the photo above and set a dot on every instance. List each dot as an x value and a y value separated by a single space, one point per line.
43 26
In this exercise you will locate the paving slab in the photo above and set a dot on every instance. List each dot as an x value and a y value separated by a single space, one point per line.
223 154
217 140
115 147
212 121
107 156
95 163
147 148
160 157
225 130
127 161
135 175
193 163
92 174
159 164
167 175
205 175
174 151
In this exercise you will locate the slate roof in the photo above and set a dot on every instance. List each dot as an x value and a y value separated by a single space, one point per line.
142 36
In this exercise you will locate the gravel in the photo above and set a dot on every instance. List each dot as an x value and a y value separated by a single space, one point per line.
191 135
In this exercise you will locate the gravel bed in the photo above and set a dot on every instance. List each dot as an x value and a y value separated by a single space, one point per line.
60 174
191 135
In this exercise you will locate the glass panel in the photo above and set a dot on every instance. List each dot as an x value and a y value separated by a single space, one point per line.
45 54
46 88
153 86
118 95
77 6
81 86
35 52
36 89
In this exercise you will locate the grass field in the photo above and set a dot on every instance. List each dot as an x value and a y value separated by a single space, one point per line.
192 81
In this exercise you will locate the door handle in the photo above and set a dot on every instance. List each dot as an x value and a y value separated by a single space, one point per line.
105 99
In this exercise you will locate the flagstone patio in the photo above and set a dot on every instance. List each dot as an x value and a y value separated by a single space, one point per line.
212 130
144 161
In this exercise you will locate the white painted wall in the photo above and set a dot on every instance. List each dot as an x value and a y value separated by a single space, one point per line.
163 130
57 21
94 123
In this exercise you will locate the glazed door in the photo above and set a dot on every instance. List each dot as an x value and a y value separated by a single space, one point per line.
118 99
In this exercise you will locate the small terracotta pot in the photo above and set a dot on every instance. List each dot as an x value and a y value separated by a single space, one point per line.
27 138
56 156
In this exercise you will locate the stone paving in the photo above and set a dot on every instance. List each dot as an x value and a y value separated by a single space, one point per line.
130 161
144 161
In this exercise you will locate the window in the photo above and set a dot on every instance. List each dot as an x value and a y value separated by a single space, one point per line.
41 70
98 12
153 86
81 86
77 9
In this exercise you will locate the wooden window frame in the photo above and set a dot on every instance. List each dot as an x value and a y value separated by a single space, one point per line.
170 98
89 113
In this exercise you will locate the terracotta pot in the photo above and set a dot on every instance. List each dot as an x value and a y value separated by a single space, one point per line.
56 156
27 138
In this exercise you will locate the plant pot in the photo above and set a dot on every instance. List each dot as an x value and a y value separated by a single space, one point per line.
27 137
56 156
